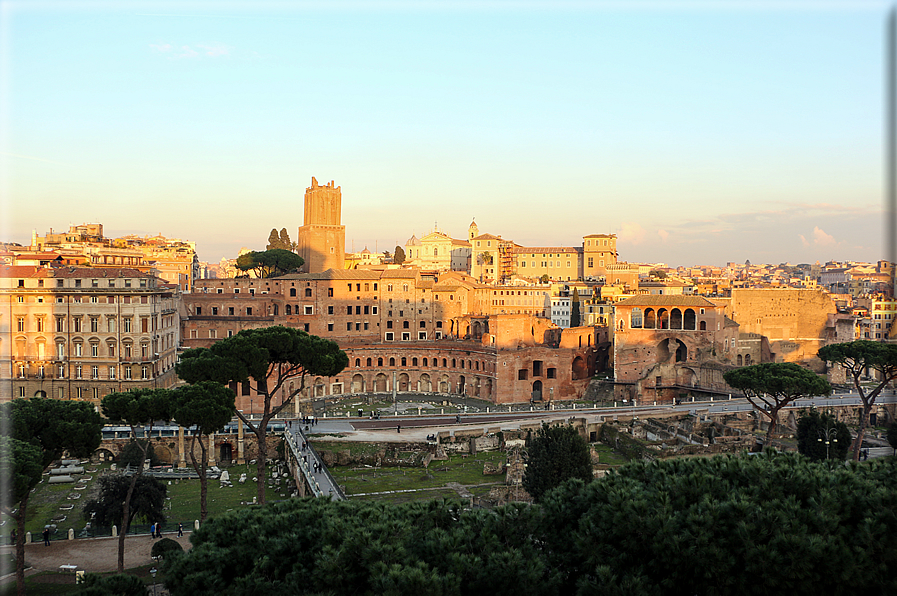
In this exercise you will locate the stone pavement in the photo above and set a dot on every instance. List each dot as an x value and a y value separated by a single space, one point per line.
94 555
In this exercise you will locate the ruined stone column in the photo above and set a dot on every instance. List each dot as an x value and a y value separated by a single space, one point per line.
182 461
212 449
240 459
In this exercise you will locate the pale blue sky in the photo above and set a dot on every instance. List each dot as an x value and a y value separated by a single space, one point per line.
700 133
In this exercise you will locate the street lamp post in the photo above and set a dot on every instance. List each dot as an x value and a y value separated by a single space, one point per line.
830 436
153 573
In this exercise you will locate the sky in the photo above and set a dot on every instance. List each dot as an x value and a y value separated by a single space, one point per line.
698 132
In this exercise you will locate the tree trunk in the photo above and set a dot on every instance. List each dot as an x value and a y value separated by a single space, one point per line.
20 546
201 471
126 508
262 459
861 432
773 421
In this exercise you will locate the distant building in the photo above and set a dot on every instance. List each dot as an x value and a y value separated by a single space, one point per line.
322 237
80 333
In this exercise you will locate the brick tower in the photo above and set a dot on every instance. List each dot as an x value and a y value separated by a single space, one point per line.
322 239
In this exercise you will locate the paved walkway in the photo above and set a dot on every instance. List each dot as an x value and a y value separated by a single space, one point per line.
95 555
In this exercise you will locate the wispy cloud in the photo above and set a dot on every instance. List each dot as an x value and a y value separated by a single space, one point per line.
631 233
663 235
199 50
820 238
32 158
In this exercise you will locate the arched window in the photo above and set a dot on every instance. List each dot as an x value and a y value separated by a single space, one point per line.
703 326
747 359
308 292
739 360
425 361
289 309
368 362
689 319
414 362
675 319
404 362
392 361
379 361
293 292
358 363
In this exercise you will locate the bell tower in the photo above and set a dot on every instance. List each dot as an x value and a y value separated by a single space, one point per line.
322 238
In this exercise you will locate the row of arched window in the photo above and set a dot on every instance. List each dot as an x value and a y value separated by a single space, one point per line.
663 318
420 362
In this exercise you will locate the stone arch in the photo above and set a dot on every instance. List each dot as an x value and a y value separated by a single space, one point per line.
739 360
225 451
689 319
675 319
462 385
580 370
403 382
650 318
445 386
488 393
747 360
104 454
663 318
163 453
537 390
380 383
40 393
703 326
425 384
477 330
319 387
687 377
357 384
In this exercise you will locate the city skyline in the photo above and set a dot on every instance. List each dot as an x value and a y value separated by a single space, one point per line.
698 133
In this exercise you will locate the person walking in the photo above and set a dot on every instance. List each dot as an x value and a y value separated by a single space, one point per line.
46 536
153 530
180 530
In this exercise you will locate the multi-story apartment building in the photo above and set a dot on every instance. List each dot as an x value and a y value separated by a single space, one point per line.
495 260
80 333
171 259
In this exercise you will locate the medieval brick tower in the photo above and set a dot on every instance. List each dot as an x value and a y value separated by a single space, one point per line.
322 240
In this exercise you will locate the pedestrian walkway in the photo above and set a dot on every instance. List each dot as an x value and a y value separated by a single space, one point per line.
312 465
94 555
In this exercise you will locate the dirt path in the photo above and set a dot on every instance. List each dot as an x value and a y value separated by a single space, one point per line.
92 554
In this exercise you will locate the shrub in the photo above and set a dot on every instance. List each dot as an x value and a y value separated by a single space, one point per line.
165 547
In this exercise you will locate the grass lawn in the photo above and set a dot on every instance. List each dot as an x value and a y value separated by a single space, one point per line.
44 503
465 470
183 505
184 495
606 455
